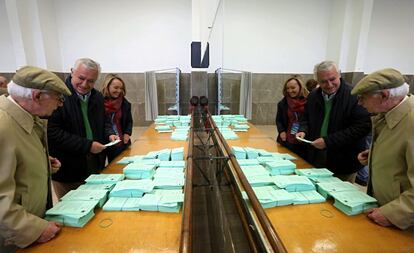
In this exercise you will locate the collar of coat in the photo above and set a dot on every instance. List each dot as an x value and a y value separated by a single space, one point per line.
22 117
393 117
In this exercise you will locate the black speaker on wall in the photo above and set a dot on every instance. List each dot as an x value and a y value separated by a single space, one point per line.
196 60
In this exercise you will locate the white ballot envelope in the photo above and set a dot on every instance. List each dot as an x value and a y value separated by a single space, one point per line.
303 140
112 143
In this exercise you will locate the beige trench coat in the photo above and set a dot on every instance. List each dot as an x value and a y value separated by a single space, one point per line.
24 176
391 164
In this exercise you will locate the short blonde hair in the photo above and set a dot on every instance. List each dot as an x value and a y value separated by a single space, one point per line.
108 80
303 91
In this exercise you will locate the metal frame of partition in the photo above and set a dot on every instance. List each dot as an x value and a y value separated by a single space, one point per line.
176 106
219 80
270 238
259 231
186 224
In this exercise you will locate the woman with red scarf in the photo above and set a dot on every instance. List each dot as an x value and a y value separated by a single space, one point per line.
290 110
118 117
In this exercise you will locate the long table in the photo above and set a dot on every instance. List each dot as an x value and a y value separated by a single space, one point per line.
124 231
322 227
302 228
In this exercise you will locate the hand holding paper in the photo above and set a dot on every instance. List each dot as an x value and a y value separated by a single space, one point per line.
112 143
303 140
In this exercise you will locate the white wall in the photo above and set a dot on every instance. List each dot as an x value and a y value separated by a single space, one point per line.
391 37
125 35
263 36
275 36
7 58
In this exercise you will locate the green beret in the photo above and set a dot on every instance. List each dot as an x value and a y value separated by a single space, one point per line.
379 80
41 79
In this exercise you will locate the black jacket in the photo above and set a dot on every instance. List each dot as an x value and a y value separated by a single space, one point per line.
67 137
281 116
126 120
282 119
349 124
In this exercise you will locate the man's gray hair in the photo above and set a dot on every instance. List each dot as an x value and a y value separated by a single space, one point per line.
16 90
88 63
325 66
400 91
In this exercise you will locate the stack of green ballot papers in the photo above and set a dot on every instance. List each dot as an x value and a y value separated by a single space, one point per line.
172 164
280 167
130 159
179 136
257 175
169 172
353 202
139 170
164 154
240 127
239 152
168 182
293 183
149 202
163 129
317 180
122 204
307 197
326 189
86 195
150 155
104 178
248 162
284 156
161 120
270 196
170 203
264 153
252 153
72 213
314 173
177 154
132 188
97 187
264 159
228 134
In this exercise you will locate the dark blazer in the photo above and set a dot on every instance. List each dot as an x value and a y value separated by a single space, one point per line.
126 120
282 117
349 124
67 137
126 124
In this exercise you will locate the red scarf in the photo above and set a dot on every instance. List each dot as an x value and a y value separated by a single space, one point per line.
296 108
113 110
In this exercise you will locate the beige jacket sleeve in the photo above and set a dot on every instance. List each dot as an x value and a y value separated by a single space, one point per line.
17 226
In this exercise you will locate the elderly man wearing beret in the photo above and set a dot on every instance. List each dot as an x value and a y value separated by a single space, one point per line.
76 131
24 161
391 155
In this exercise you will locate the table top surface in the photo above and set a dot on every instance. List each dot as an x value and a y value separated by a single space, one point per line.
111 232
321 227
302 228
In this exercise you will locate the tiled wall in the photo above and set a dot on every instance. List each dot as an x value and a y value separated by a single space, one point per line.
267 91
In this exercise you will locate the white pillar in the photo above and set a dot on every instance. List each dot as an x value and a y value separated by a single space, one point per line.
34 33
348 33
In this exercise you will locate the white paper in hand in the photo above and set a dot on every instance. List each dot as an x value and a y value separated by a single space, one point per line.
112 143
303 140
